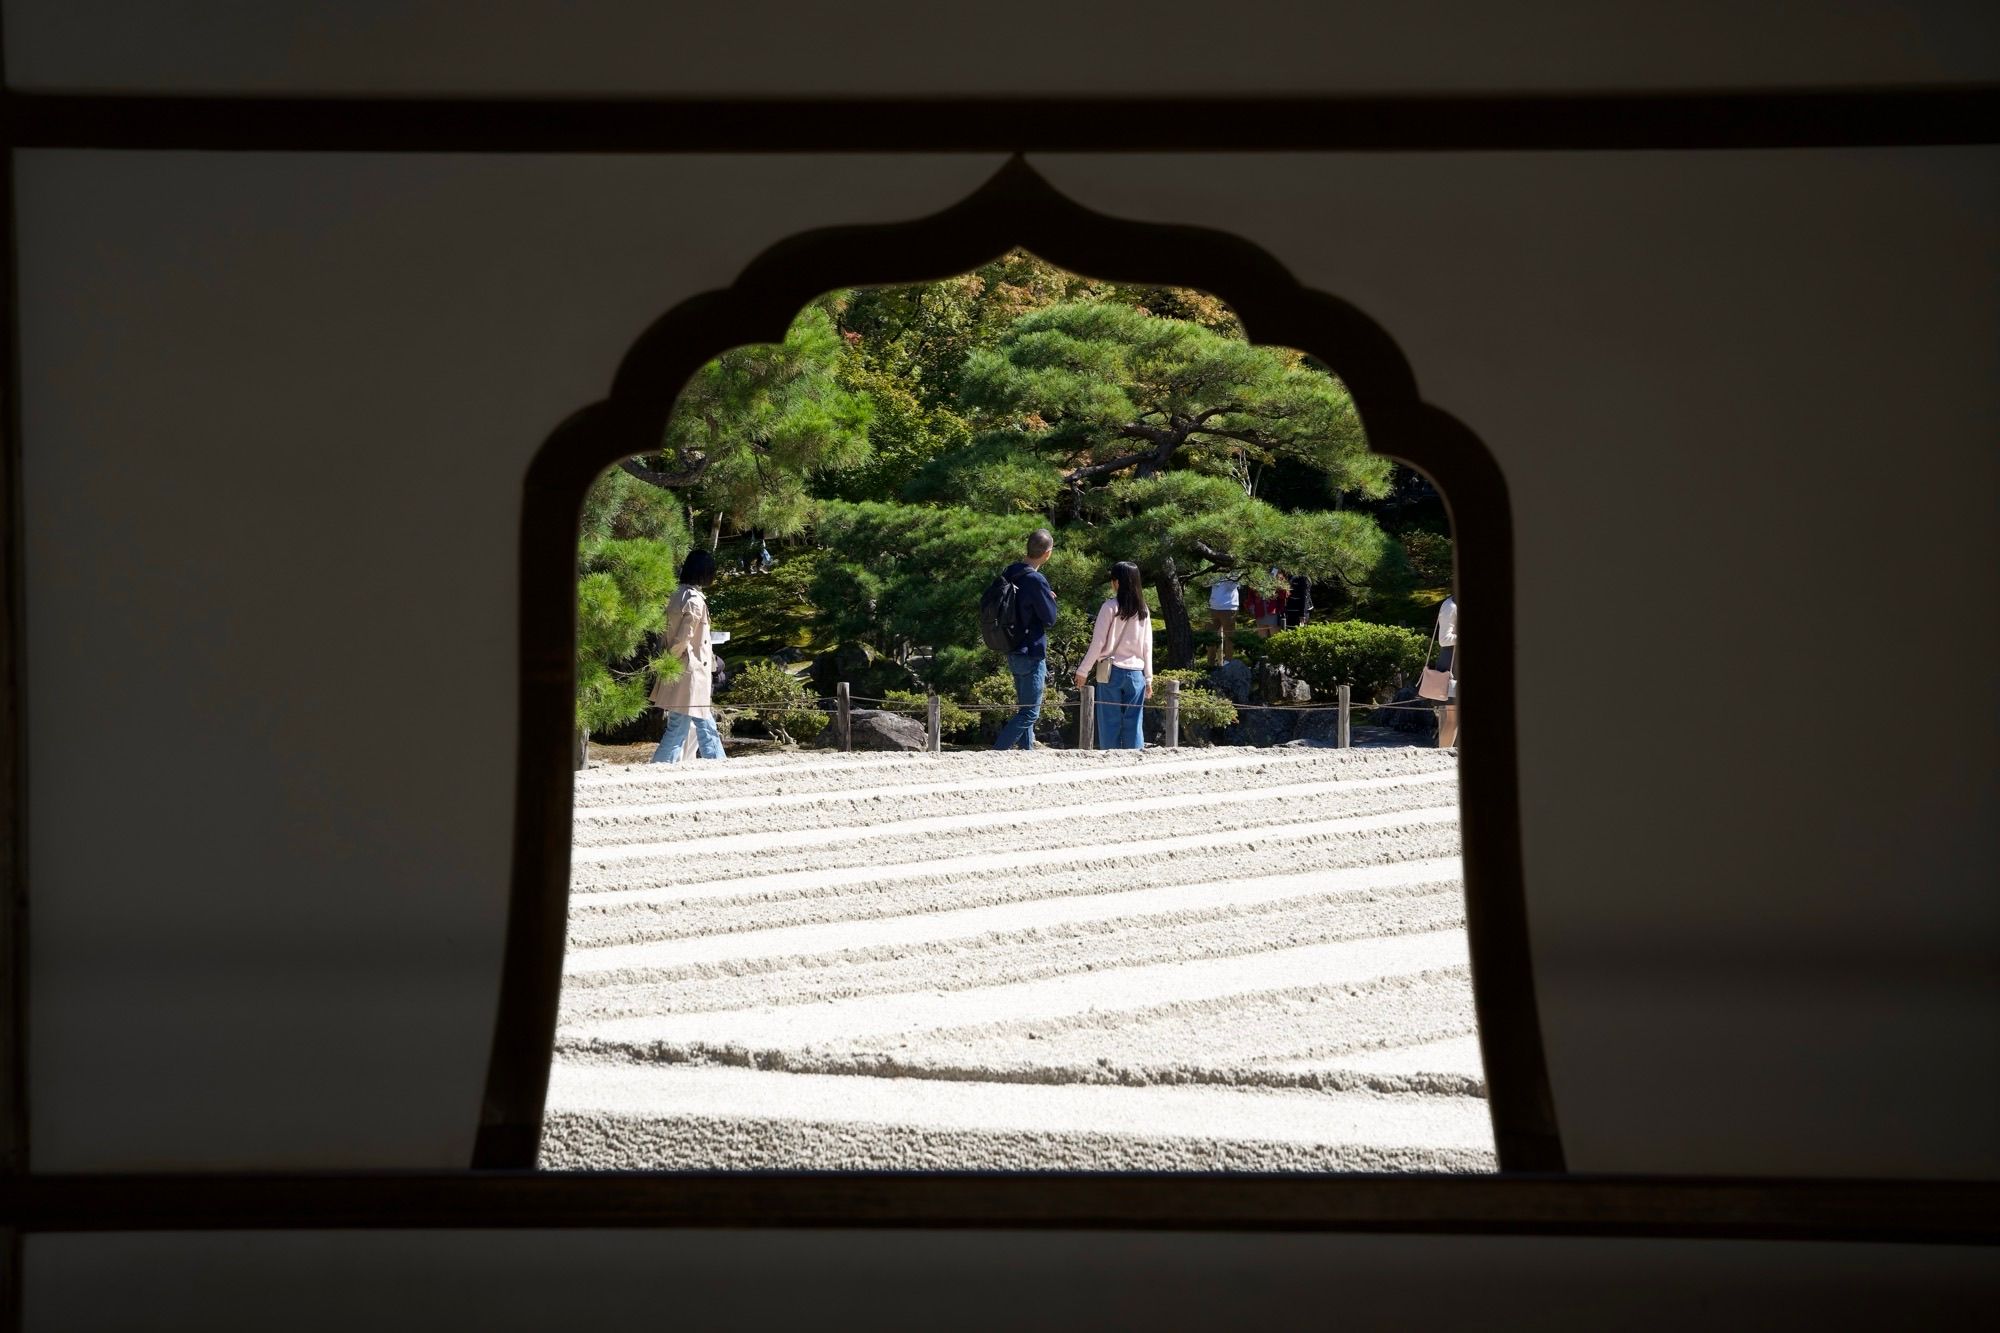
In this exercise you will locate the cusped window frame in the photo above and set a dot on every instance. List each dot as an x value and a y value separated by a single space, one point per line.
1017 207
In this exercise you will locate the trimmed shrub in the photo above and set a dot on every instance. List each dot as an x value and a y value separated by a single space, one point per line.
952 719
993 692
1375 659
768 687
1203 711
1430 557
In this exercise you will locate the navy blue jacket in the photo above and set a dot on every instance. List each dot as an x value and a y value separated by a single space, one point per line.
1034 609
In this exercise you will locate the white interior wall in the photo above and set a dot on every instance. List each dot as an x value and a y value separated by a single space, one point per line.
280 411
1746 404
1745 401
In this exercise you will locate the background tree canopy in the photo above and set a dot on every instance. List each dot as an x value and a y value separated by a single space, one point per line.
902 442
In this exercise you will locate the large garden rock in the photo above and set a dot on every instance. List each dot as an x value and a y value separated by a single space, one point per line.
878 729
1418 723
1231 680
1321 726
1274 684
1260 727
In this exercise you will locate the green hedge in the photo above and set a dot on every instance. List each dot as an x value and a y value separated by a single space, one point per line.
952 719
771 687
1203 711
1375 659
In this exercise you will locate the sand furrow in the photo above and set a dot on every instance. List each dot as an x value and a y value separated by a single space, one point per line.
638 922
1170 960
1121 988
915 821
1004 959
944 922
999 791
725 873
1286 1115
810 770
575 1141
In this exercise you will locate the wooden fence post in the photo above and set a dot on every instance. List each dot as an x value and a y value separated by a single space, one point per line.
1086 717
934 724
1171 723
842 716
1345 736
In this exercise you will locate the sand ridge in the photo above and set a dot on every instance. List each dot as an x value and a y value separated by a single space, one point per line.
1170 960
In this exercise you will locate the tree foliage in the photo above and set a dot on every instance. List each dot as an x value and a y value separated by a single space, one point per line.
912 574
754 426
911 437
782 702
632 543
1374 659
1106 388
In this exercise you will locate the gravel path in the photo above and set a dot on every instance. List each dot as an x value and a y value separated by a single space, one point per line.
1170 960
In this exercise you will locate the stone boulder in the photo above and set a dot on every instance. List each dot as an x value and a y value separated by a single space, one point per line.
878 729
1260 727
1231 680
1321 726
1274 684
1421 724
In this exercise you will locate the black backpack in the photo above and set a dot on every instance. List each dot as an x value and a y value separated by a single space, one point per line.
999 611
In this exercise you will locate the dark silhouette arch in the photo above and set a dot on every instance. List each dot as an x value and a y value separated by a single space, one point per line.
1016 207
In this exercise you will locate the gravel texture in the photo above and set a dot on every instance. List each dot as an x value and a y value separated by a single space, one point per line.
1168 960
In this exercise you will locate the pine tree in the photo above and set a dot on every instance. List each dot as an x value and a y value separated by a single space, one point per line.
757 424
630 550
1154 427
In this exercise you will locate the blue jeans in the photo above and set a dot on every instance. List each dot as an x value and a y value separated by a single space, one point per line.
1030 673
1120 710
707 740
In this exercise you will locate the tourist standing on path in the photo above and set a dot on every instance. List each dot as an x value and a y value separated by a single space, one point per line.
1271 610
688 697
1447 662
1123 640
1222 602
1298 606
1034 612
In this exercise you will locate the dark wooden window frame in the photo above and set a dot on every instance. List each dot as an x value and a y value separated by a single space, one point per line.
1017 207
1518 1200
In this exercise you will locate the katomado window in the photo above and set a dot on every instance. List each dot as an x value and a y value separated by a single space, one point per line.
1016 730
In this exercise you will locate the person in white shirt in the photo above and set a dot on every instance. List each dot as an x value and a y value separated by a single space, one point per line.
1447 661
1223 600
1123 640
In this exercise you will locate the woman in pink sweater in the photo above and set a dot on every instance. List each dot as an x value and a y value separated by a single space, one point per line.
1123 637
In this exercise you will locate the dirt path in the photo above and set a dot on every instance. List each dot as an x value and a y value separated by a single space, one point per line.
1185 960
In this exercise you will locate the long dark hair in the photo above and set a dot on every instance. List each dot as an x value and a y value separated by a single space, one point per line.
1125 581
698 569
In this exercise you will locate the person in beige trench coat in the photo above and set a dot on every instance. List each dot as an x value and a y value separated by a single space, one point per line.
687 696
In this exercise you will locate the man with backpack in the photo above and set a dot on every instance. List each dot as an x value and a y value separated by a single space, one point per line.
1014 619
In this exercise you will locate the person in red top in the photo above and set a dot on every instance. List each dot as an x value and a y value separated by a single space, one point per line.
1251 607
1272 618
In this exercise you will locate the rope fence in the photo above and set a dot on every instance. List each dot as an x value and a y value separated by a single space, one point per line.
1083 701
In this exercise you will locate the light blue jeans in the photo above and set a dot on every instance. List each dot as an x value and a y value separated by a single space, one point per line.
1120 710
1030 675
707 740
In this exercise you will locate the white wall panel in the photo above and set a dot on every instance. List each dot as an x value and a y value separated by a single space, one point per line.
1747 405
879 47
276 415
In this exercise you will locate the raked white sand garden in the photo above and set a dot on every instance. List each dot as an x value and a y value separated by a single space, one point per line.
1214 959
